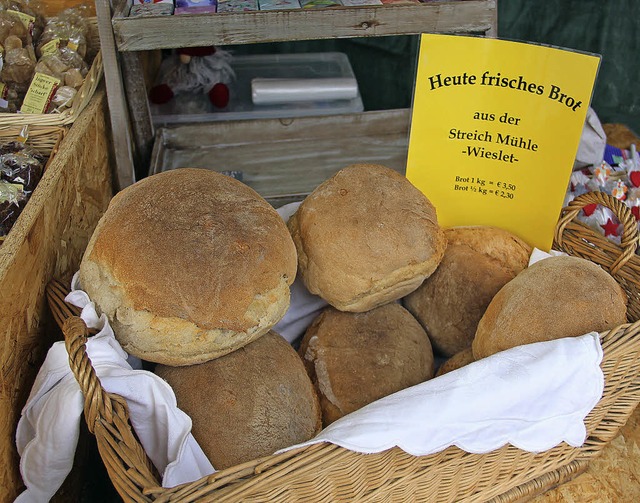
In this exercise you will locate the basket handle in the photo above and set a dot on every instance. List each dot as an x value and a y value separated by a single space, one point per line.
629 238
97 402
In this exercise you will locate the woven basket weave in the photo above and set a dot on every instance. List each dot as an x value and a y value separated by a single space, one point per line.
80 100
325 472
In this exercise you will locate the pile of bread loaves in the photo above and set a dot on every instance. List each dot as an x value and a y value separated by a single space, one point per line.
193 269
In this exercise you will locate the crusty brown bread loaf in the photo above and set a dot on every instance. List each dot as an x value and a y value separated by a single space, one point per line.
189 265
366 237
553 298
459 360
478 261
249 403
356 358
620 136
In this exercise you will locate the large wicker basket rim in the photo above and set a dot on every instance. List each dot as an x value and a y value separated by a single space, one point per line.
135 479
629 237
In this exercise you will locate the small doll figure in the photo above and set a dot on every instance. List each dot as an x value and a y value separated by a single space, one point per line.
195 69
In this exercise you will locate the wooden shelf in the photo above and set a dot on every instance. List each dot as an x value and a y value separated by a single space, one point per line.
164 32
122 38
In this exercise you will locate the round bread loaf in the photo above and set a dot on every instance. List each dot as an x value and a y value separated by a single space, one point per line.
459 360
365 237
249 403
554 298
189 265
478 261
356 358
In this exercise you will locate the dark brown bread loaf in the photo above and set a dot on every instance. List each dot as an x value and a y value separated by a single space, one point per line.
366 237
189 265
356 358
478 261
249 403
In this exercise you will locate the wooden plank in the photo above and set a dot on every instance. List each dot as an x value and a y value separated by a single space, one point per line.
47 240
119 113
297 154
453 16
138 106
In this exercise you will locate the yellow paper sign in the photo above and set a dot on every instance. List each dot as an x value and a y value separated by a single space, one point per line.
51 47
39 95
27 20
495 130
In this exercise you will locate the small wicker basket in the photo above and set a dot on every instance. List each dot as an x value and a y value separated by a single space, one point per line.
325 472
80 100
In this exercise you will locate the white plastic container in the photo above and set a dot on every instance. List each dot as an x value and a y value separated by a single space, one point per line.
326 77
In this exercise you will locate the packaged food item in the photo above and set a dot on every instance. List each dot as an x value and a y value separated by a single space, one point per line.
69 29
278 4
195 6
237 5
151 8
21 168
357 3
30 13
319 4
17 61
57 78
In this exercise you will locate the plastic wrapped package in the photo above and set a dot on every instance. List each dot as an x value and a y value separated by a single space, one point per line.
28 10
68 29
21 168
12 202
18 61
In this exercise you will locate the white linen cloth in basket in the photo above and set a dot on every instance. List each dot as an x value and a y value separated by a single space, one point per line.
533 396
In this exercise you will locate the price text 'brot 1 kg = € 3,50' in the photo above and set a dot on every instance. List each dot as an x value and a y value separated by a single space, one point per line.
484 187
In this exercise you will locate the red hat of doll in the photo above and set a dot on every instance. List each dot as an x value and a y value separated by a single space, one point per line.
195 70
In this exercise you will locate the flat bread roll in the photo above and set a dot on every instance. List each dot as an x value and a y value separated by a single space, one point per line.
189 265
554 298
249 403
366 237
356 358
478 261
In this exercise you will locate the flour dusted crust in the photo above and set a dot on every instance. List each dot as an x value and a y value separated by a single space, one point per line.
556 297
366 237
249 403
356 358
478 261
189 265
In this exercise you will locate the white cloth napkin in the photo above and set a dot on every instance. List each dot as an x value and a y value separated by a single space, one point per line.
533 397
48 429
304 306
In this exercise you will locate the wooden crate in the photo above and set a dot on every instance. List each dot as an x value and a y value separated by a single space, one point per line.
285 159
46 241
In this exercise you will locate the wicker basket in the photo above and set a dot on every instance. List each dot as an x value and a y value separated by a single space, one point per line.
325 472
45 139
80 100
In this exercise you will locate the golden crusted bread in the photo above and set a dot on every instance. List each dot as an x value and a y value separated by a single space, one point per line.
356 358
459 360
478 261
189 265
249 403
554 298
366 237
